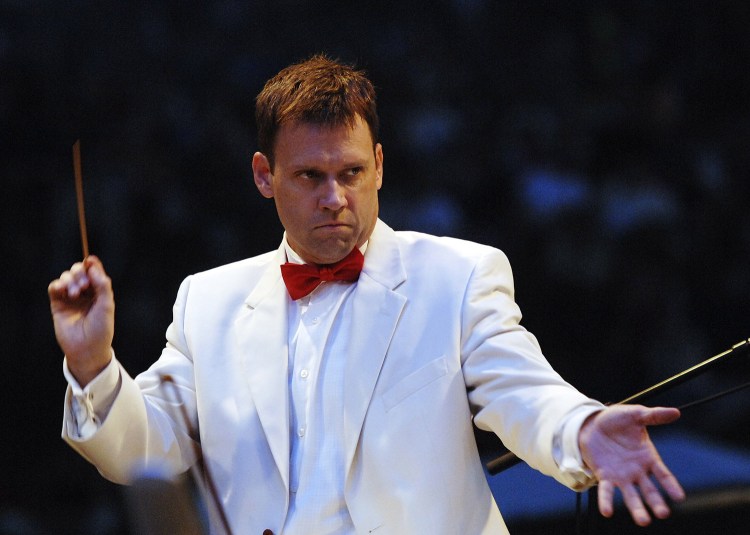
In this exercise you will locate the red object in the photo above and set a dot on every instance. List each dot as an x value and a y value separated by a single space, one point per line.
301 279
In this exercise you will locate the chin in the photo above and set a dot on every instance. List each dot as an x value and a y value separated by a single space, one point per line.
334 254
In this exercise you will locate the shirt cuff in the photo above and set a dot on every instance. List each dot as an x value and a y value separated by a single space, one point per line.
90 405
565 448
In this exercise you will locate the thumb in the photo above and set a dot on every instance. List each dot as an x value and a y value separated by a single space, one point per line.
660 415
100 282
95 271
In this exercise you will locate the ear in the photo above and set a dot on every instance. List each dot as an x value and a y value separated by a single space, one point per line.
379 164
262 175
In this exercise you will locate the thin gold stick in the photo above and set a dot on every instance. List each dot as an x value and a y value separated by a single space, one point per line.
79 196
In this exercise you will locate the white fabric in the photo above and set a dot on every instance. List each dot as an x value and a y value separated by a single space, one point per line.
90 405
565 448
434 338
316 374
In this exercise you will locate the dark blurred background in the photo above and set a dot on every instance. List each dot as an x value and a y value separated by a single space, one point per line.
602 145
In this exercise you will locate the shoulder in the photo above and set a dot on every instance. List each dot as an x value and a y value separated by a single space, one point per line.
430 262
439 249
228 282
242 269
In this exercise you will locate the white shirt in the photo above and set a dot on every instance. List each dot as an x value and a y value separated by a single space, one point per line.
90 405
316 390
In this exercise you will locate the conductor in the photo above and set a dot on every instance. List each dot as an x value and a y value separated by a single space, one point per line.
334 381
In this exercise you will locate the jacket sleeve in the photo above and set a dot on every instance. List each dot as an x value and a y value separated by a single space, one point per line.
144 430
512 389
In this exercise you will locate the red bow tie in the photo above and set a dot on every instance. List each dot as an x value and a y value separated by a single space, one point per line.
301 279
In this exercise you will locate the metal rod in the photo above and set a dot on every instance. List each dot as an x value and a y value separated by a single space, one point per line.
505 461
713 397
684 375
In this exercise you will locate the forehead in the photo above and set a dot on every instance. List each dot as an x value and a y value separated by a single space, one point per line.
300 142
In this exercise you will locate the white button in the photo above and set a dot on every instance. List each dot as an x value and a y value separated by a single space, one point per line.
304 374
316 320
301 432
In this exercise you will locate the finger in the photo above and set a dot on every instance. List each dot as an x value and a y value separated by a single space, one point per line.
605 496
95 271
653 497
660 415
79 280
668 482
633 502
59 288
92 260
56 290
100 281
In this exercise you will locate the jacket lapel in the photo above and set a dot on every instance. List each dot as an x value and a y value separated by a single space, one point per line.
262 336
377 306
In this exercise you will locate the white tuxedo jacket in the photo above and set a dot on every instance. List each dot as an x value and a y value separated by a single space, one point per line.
435 340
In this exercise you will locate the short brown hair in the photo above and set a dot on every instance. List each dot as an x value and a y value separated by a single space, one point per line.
318 90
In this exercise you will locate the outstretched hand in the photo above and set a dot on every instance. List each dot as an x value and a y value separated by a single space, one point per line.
83 310
615 445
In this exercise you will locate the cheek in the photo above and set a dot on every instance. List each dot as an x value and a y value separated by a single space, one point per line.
370 201
294 209
283 208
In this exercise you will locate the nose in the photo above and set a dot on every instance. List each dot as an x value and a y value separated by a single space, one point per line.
332 195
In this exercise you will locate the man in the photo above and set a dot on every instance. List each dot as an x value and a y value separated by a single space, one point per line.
347 406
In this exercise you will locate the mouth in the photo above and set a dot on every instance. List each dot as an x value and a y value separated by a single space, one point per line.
332 225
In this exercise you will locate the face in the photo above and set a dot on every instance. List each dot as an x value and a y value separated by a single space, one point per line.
325 185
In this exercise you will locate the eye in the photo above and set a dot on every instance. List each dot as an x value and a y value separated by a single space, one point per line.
354 171
309 174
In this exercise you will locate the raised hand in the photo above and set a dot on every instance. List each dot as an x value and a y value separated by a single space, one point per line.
83 312
615 445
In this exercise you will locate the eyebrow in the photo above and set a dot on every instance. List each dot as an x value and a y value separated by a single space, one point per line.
301 166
